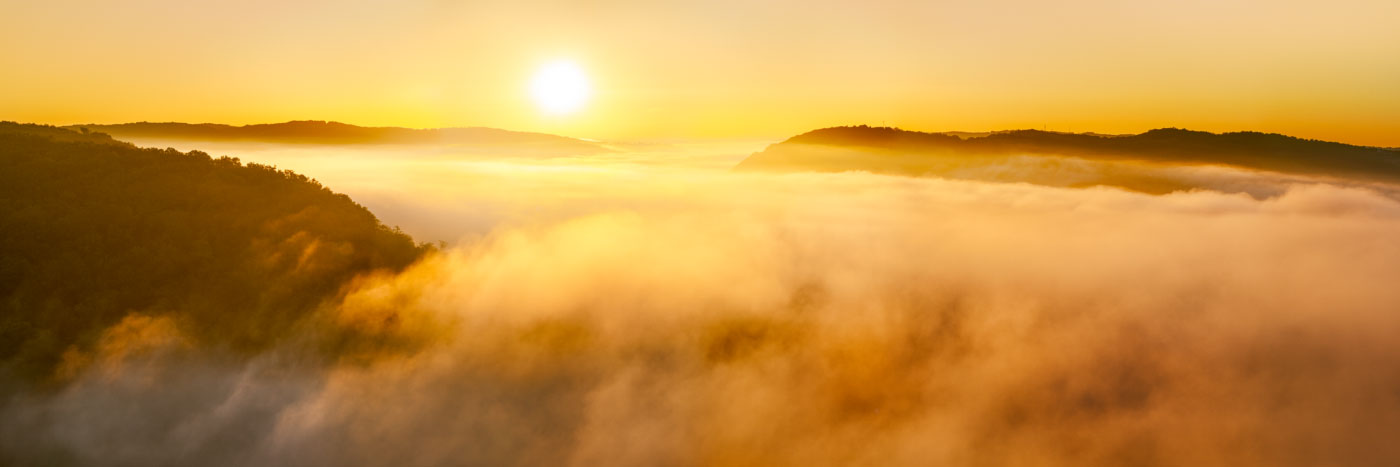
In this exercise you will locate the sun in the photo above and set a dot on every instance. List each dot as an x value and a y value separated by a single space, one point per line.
560 88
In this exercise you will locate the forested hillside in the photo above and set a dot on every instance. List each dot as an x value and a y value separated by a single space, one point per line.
93 230
895 151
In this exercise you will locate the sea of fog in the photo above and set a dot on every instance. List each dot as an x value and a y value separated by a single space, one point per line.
445 193
650 307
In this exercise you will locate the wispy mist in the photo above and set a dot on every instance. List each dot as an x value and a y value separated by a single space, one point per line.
607 313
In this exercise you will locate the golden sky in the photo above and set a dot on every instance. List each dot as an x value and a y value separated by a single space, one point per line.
725 68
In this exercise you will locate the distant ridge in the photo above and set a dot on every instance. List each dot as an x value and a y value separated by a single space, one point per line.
10 129
327 132
892 150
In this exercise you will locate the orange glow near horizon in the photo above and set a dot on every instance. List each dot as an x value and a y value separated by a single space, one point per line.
716 69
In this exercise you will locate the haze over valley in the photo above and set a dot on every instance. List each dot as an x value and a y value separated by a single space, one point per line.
782 233
580 301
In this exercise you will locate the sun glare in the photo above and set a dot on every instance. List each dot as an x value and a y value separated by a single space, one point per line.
560 88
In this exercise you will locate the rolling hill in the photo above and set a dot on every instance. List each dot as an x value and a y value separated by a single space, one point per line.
895 151
94 230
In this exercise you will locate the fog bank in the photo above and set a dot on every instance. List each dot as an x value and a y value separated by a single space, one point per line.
619 313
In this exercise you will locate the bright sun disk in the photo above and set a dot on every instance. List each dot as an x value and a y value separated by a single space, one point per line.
560 88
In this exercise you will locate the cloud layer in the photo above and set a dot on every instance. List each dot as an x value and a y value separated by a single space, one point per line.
703 318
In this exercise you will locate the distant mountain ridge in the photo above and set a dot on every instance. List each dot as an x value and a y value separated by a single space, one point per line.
892 150
979 134
328 132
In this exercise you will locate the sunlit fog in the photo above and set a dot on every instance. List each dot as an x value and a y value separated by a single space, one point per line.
649 306
787 233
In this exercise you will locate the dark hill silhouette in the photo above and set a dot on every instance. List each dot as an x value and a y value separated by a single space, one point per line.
895 151
57 134
93 230
322 132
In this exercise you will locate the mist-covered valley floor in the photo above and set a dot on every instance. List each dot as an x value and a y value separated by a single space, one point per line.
649 306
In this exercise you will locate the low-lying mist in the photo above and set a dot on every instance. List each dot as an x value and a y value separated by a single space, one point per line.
443 193
653 308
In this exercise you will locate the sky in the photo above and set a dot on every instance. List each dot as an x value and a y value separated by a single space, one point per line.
718 69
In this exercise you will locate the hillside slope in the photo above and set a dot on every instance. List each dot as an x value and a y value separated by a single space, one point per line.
894 151
93 230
